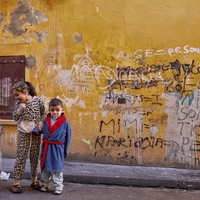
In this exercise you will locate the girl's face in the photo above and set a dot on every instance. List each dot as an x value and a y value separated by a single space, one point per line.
21 96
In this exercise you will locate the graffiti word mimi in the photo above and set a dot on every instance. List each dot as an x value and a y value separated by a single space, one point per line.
136 123
151 52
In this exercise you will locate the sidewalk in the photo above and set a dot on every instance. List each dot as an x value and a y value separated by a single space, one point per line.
76 172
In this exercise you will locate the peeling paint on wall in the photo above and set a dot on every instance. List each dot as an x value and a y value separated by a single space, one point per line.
154 130
77 37
60 35
182 128
41 36
22 14
97 8
46 101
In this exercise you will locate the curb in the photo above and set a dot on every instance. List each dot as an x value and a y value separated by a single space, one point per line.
119 181
135 176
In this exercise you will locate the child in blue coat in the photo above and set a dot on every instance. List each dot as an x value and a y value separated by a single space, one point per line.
56 141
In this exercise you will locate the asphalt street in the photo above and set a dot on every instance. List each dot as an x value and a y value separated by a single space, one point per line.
76 191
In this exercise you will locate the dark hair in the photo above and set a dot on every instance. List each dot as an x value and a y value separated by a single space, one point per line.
21 86
55 102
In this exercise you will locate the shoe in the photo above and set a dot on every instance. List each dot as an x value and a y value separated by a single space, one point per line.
43 188
36 186
57 192
16 189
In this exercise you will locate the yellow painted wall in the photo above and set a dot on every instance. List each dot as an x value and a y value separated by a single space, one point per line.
127 72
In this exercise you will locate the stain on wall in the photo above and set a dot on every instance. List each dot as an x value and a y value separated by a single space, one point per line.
1 18
30 62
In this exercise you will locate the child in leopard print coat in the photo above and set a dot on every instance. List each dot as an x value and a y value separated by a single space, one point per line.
30 113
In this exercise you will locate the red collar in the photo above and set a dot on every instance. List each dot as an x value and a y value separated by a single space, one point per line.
57 124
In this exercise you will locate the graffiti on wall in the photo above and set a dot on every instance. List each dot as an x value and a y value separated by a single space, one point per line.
144 99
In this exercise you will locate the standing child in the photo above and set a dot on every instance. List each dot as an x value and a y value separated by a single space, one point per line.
56 141
30 113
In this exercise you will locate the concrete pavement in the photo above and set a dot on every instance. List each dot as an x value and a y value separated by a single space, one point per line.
76 172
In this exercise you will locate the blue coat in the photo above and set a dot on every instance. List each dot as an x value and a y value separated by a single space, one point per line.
56 141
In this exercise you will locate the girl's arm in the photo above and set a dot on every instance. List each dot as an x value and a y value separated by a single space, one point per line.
43 113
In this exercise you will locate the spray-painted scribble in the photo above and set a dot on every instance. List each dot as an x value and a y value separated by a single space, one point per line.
138 126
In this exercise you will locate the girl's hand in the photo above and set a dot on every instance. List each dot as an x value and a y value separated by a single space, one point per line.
22 106
40 127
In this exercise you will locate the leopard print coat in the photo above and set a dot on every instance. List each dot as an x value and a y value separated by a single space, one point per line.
34 113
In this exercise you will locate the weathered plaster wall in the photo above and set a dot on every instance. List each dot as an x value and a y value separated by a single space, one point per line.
127 72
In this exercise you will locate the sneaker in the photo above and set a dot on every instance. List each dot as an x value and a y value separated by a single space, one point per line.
43 188
16 189
57 192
